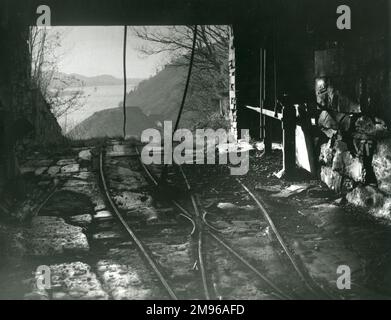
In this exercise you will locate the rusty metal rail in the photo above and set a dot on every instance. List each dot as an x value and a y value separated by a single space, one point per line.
196 227
276 291
307 280
304 277
139 244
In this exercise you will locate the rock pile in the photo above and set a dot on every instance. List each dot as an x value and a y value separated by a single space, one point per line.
356 160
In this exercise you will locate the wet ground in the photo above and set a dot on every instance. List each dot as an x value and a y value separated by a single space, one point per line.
91 257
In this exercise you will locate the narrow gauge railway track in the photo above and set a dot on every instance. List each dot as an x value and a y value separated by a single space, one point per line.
203 227
163 274
312 288
132 234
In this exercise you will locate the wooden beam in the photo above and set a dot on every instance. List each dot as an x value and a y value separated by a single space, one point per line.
289 140
266 112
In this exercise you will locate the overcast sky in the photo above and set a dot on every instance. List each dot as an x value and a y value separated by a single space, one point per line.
93 51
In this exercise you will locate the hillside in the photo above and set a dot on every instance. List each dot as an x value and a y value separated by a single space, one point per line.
108 123
157 99
160 94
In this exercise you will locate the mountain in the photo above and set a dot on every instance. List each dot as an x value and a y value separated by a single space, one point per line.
61 79
108 123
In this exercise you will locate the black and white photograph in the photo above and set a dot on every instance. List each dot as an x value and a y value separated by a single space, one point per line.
209 151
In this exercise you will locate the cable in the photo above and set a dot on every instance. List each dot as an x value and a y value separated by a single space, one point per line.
162 177
124 68
188 78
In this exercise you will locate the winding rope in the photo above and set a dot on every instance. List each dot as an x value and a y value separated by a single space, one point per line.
163 174
124 68
188 78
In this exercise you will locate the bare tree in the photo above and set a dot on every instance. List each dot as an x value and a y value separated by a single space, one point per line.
209 81
44 72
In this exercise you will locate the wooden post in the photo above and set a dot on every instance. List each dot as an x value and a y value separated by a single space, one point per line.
267 140
262 87
289 140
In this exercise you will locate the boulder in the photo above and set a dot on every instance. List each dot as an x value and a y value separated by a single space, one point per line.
365 125
327 121
340 146
384 211
326 153
331 178
347 185
70 168
64 162
338 162
366 197
354 167
82 220
348 165
380 127
85 155
50 236
381 164
103 215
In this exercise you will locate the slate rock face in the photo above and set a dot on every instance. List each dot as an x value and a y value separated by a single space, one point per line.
121 281
331 178
381 164
326 153
327 121
49 236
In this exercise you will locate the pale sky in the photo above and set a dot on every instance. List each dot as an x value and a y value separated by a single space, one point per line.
93 51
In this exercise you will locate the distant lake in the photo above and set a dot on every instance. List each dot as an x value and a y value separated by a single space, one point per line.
96 98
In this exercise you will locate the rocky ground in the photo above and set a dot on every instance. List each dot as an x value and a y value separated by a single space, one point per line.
73 236
321 228
76 236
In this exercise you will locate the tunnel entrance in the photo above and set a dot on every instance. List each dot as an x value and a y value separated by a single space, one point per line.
108 225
